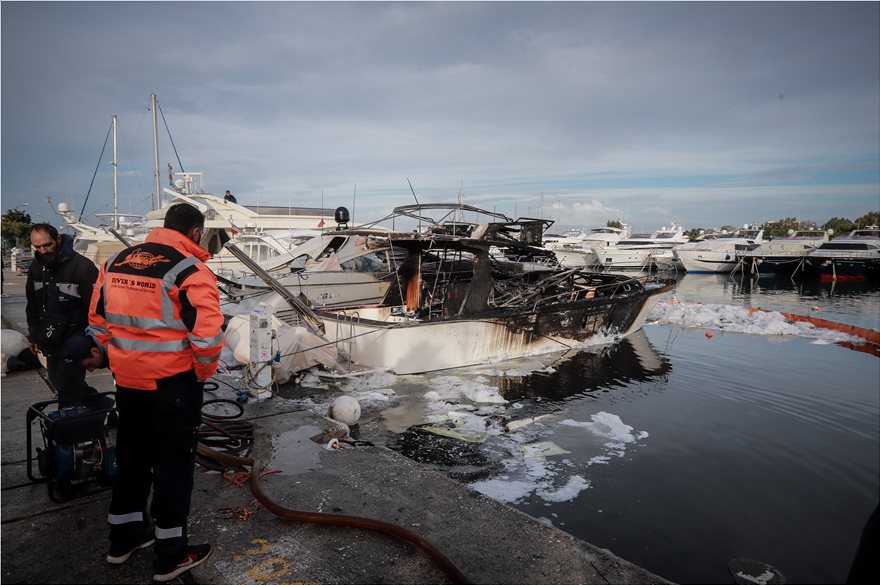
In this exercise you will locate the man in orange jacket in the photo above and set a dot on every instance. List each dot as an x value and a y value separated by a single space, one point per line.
156 309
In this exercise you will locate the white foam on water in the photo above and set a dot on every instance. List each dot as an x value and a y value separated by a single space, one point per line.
575 485
376 398
452 389
536 471
377 378
740 320
464 422
519 371
597 340
609 426
503 490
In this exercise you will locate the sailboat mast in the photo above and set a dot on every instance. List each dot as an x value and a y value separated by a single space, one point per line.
115 178
155 148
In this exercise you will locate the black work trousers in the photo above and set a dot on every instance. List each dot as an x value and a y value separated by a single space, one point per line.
155 449
66 371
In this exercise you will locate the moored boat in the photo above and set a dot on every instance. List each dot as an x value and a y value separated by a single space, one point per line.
639 251
579 251
783 255
853 257
452 305
337 268
718 253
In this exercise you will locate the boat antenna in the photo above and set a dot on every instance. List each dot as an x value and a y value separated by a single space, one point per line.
115 164
417 200
353 199
153 109
460 202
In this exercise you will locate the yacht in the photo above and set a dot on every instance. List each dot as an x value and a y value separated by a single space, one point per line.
450 305
97 243
337 268
782 254
853 257
267 233
578 251
640 251
718 252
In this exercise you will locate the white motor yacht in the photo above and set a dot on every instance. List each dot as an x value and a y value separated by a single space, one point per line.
640 251
783 254
580 251
853 257
718 252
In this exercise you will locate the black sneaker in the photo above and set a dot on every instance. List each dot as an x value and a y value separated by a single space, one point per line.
117 556
195 556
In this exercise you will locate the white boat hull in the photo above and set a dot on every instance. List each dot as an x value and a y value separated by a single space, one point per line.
707 261
612 258
380 337
576 258
323 289
409 348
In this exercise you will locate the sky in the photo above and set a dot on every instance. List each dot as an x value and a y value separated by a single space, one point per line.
702 114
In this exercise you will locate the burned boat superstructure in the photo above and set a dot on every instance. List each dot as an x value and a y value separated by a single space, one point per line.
455 301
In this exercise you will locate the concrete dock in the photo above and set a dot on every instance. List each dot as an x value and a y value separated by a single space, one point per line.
45 542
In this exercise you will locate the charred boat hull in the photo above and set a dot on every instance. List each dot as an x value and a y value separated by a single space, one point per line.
386 337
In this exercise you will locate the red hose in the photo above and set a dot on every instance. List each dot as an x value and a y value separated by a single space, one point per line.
386 528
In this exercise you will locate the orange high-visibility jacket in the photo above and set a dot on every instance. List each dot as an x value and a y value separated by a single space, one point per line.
156 308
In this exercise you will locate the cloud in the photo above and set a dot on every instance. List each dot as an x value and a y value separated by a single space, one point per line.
609 108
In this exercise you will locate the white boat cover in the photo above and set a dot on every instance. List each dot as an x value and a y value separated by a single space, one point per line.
299 348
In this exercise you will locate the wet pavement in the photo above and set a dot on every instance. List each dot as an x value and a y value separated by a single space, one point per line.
46 542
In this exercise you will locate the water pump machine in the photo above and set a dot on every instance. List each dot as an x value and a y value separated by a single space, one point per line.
78 452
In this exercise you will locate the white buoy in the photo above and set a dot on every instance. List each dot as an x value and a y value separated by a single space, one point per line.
13 343
345 409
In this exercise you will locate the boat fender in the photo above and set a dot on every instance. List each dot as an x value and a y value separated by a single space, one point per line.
345 409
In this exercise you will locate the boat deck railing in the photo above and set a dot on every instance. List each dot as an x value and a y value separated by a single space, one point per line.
856 254
774 254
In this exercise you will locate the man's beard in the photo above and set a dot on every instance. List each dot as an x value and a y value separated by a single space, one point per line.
46 257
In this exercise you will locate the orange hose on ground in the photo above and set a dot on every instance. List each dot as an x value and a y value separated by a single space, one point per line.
387 528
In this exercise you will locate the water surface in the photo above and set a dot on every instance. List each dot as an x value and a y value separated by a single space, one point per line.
676 451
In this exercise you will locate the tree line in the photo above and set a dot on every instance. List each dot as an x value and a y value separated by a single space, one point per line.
16 225
780 227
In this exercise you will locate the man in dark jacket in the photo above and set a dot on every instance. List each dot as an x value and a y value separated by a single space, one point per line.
58 290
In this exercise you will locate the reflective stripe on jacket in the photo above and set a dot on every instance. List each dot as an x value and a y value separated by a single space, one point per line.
156 308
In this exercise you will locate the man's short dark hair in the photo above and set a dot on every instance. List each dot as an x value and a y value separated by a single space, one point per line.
46 228
182 217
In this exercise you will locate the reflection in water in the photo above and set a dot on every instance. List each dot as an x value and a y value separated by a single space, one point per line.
804 288
739 285
476 442
631 359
